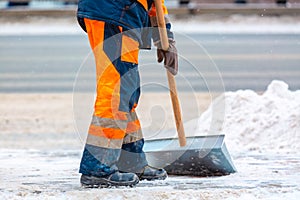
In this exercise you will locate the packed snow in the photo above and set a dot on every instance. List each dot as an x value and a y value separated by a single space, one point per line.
262 135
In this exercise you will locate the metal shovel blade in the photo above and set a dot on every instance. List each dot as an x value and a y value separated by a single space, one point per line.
202 156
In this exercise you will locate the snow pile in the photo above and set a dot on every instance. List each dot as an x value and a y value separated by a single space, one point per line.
267 122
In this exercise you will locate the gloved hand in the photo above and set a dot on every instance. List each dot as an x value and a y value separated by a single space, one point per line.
169 57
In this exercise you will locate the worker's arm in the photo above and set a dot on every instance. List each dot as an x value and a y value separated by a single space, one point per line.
170 56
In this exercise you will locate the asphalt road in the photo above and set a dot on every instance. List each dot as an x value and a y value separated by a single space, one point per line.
212 62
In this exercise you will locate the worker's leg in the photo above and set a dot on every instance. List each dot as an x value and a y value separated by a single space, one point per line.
133 158
109 123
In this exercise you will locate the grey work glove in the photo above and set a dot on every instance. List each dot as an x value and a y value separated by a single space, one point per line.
169 57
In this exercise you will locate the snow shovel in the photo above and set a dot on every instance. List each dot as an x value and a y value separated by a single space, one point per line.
196 156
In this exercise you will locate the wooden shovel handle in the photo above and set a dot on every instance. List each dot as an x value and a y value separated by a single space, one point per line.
172 84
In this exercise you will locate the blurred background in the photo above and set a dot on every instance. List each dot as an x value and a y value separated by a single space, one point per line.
246 39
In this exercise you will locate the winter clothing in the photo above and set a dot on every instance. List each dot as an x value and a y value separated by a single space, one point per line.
114 145
150 173
169 57
129 14
115 179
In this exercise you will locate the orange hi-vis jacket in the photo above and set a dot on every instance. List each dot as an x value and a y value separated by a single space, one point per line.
129 14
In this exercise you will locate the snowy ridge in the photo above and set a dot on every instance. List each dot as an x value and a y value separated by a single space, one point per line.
267 122
197 24
239 24
41 26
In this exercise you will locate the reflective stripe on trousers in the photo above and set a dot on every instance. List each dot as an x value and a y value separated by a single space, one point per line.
118 86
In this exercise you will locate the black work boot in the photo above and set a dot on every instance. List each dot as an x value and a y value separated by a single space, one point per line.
115 179
133 159
151 173
98 168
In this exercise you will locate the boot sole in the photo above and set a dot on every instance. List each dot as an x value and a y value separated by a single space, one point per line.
151 178
96 182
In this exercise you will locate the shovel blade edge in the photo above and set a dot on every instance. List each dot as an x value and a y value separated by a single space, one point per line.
202 156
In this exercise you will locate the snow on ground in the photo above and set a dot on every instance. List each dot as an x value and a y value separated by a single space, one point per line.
36 174
262 134
197 24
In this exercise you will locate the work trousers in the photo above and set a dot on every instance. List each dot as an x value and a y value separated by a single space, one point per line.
115 132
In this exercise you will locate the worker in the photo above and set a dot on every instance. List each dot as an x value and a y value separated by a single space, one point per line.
113 154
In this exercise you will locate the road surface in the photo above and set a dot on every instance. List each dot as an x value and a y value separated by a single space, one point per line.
51 63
